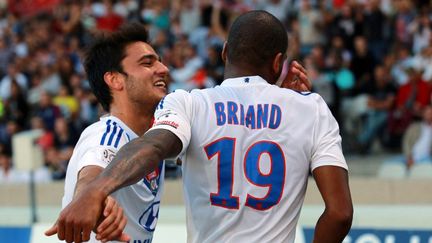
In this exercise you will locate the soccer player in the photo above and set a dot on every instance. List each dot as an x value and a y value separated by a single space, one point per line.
247 148
129 80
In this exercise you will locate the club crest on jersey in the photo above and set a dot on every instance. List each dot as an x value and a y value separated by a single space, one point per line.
152 180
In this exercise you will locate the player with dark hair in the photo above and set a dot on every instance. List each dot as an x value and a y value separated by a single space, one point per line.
247 148
128 79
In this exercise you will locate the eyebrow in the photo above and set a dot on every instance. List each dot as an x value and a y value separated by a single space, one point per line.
149 56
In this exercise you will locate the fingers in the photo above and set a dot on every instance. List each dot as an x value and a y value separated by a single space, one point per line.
298 66
109 204
300 73
71 229
297 78
61 229
115 227
51 231
77 235
86 234
69 235
117 232
110 214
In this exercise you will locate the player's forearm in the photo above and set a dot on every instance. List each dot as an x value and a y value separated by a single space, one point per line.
85 176
133 161
137 159
333 226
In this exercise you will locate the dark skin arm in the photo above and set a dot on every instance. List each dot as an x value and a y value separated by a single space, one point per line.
112 222
133 161
335 222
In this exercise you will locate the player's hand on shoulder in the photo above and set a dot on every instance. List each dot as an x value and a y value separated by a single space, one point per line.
78 219
296 78
112 222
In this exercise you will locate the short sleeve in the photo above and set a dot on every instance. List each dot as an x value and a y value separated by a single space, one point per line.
327 149
99 153
174 114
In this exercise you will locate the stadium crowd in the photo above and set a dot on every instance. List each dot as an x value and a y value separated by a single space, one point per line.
371 60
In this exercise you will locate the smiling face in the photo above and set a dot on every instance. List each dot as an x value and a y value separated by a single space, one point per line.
145 75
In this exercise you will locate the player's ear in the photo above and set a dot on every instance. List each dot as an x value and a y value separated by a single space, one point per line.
224 52
114 80
278 63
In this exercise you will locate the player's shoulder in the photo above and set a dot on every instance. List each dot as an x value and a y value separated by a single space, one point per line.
301 96
105 132
176 97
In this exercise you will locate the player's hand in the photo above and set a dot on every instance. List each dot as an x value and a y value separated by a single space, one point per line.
78 219
113 223
296 78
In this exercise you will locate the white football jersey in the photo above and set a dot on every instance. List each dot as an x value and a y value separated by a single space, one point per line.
248 149
98 145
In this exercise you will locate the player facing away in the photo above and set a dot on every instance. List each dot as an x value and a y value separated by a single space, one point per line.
247 147
128 80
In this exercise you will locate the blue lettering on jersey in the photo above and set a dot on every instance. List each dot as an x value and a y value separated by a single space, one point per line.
150 216
262 116
232 110
220 113
242 115
256 116
250 117
275 117
141 241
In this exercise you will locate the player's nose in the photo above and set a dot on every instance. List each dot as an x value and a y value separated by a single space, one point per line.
162 69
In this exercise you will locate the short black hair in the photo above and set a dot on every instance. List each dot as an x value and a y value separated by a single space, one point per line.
255 38
105 55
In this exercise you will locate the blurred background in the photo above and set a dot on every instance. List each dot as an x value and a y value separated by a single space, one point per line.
371 60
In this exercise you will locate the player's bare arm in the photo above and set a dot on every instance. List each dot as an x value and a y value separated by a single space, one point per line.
138 158
112 222
335 222
134 160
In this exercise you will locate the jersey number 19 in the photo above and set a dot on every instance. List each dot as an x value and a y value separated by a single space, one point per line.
274 180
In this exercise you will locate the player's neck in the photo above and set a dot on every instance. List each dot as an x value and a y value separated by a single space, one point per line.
137 120
232 71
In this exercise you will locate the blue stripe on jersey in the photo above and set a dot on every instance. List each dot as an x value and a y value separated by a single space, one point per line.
113 133
127 135
118 138
106 132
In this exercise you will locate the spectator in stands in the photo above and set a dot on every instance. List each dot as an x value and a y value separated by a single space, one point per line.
362 64
374 29
380 98
68 104
410 102
421 30
13 74
110 20
58 156
47 110
417 140
16 106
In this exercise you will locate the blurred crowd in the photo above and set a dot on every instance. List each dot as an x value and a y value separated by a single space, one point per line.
371 60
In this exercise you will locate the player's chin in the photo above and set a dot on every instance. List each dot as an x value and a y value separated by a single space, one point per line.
160 91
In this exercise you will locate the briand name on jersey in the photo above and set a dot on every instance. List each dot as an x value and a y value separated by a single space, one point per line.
257 116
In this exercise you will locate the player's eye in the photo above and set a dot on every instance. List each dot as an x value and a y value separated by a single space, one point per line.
147 63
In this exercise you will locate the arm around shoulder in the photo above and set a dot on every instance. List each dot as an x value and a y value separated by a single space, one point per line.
335 222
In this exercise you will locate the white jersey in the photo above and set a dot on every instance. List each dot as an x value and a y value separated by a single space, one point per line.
98 145
248 148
